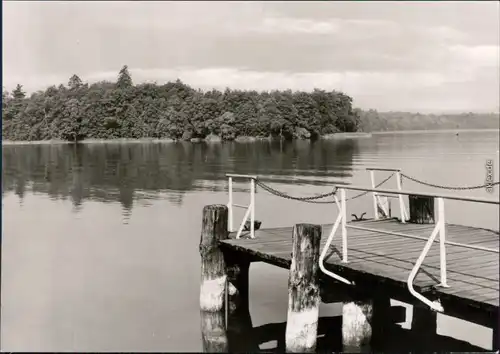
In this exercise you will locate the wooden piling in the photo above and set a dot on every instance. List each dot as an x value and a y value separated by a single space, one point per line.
213 279
213 267
303 290
421 209
213 332
368 319
357 325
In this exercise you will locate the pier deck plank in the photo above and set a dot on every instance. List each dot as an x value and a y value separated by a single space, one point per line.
473 275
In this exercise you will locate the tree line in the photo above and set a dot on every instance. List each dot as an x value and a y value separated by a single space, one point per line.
111 110
107 110
373 121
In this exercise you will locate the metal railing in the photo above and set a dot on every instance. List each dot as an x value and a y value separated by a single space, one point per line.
250 208
378 202
341 218
439 229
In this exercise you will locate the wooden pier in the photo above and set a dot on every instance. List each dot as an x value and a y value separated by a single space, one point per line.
386 260
377 260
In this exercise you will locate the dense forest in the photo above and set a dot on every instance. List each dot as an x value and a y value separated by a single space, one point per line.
107 110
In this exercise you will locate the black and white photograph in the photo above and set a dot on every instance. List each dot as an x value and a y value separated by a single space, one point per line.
250 176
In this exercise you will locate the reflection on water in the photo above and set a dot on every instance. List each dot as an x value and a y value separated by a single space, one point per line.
271 338
100 241
125 172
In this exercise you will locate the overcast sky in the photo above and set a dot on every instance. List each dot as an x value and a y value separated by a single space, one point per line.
388 56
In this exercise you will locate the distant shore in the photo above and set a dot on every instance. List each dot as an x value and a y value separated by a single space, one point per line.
436 131
240 139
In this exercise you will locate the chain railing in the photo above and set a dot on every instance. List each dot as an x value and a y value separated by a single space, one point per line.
449 187
438 230
313 199
255 181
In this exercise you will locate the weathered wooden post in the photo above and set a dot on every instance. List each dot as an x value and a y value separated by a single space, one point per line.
213 279
213 332
303 289
421 209
213 266
368 320
357 325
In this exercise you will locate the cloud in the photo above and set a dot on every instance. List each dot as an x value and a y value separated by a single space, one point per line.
444 33
420 91
289 25
481 55
220 78
384 54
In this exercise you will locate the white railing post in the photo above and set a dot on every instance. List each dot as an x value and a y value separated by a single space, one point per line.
402 208
374 195
442 241
230 204
327 246
249 209
252 208
432 304
344 224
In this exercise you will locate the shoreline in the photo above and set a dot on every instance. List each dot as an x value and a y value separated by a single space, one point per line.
436 131
241 139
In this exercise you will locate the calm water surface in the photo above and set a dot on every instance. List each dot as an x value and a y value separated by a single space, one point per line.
100 241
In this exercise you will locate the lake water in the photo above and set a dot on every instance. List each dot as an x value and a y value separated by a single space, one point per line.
100 241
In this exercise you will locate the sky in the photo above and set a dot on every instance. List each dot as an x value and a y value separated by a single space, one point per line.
399 56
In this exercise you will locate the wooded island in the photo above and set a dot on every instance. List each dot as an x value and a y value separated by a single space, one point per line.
107 110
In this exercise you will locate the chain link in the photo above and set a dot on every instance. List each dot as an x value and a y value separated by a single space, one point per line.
287 196
447 187
365 193
314 199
